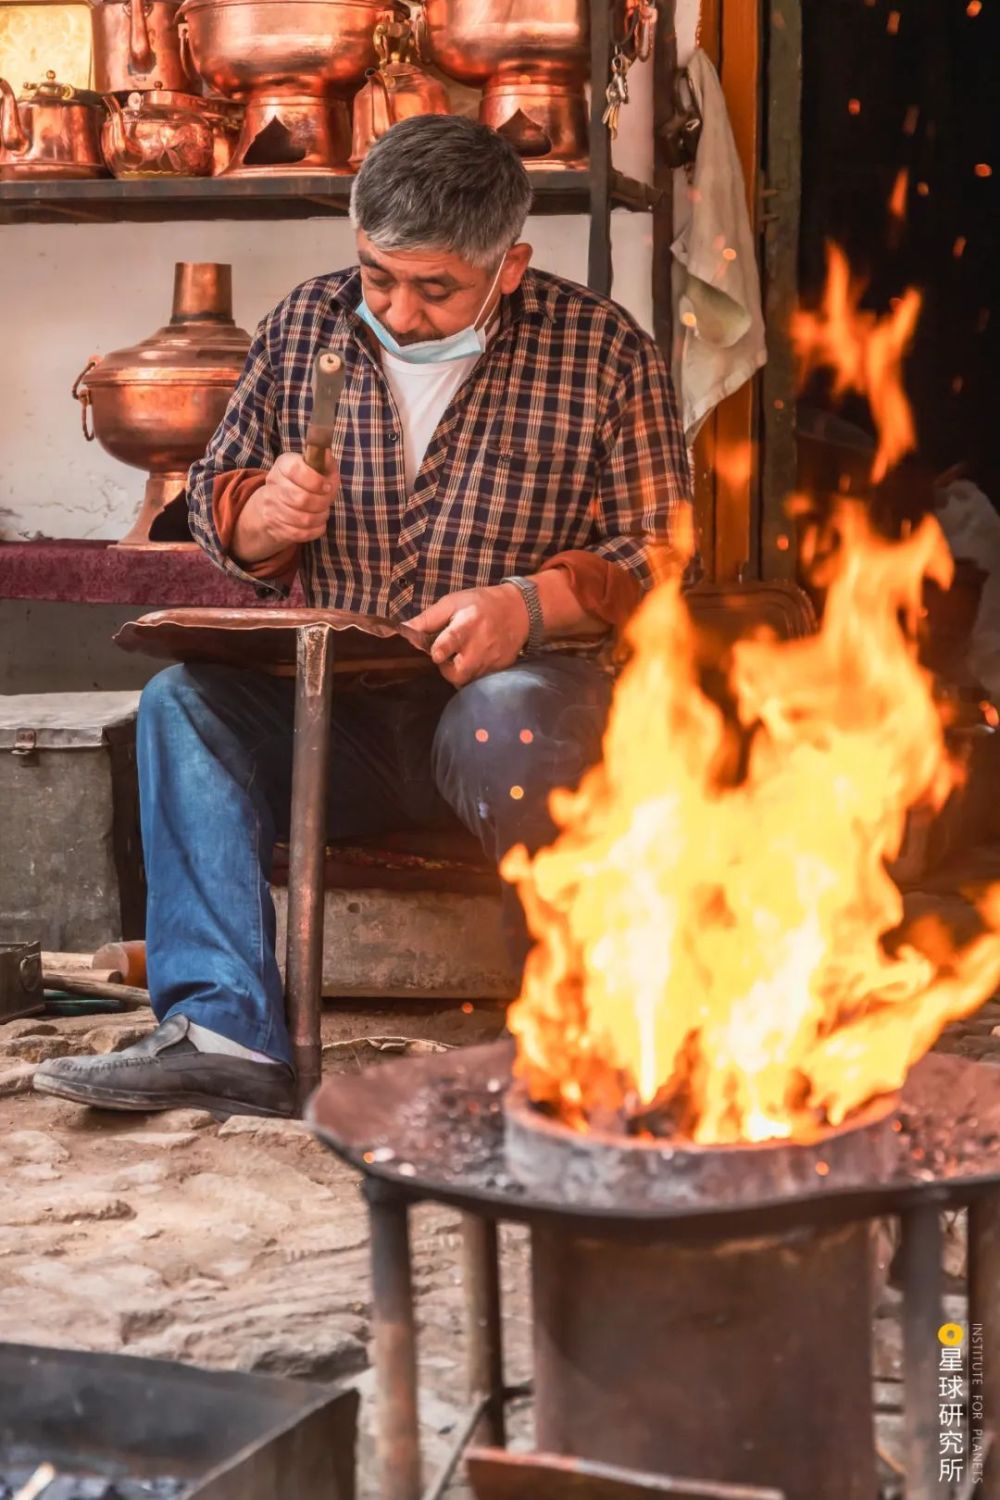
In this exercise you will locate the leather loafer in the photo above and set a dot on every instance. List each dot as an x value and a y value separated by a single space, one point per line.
166 1071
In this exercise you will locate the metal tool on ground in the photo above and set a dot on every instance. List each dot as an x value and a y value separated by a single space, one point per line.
116 972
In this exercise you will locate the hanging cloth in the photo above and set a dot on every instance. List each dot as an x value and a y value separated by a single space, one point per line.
719 326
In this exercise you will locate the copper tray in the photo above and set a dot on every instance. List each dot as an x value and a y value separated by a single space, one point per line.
266 638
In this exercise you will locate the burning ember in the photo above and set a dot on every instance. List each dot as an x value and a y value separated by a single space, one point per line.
712 919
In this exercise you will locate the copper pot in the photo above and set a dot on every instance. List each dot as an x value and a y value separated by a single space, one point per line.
136 46
288 60
533 57
474 39
156 404
245 47
51 131
396 90
159 133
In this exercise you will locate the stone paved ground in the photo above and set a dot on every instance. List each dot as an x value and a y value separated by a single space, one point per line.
241 1246
244 1245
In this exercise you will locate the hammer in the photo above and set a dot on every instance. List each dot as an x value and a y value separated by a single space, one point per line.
328 382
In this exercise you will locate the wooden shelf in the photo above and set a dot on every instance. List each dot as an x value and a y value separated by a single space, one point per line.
294 196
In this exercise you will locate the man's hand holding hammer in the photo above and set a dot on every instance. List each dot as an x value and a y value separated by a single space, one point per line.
293 506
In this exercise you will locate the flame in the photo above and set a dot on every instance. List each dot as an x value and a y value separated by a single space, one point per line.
865 353
715 945
712 921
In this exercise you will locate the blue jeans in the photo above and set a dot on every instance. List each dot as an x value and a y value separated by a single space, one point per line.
215 760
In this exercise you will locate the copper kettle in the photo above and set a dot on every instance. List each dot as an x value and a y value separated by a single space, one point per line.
136 46
52 130
397 89
159 133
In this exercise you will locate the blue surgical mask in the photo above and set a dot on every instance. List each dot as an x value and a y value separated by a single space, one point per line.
461 345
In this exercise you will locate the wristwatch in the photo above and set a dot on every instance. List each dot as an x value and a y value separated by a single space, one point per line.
536 625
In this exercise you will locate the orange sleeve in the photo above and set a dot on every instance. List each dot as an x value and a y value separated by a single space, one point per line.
602 588
230 493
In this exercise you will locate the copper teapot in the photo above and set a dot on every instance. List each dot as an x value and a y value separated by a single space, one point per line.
397 89
136 46
51 131
159 133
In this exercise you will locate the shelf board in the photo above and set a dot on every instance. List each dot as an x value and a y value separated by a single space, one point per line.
297 195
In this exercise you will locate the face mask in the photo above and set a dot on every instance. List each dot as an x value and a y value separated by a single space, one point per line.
461 345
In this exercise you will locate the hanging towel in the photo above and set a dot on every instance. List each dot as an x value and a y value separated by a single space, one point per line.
719 338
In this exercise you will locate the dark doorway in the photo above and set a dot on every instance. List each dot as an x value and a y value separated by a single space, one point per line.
893 86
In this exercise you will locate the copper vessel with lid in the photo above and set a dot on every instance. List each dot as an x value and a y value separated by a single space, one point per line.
136 46
158 133
51 131
156 404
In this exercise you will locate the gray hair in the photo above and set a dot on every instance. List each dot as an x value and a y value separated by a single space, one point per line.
442 182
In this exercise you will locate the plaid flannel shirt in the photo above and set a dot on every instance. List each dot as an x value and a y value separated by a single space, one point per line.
565 436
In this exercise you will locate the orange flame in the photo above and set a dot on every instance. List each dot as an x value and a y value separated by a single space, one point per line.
718 948
865 353
712 919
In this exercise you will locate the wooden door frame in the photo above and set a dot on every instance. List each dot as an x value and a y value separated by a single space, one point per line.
729 31
744 456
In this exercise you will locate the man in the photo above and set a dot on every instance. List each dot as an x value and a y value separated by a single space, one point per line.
506 463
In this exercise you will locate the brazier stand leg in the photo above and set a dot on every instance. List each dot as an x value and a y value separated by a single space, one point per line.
484 1348
306 845
397 1438
920 1258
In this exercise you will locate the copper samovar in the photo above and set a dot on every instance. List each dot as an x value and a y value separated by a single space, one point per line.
156 404
294 63
51 131
397 89
136 46
530 57
158 133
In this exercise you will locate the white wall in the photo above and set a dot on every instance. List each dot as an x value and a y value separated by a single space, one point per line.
68 291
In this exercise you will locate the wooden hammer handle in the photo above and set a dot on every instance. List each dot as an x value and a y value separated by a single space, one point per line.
328 382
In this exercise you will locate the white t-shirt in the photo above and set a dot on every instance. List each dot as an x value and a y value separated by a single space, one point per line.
422 394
